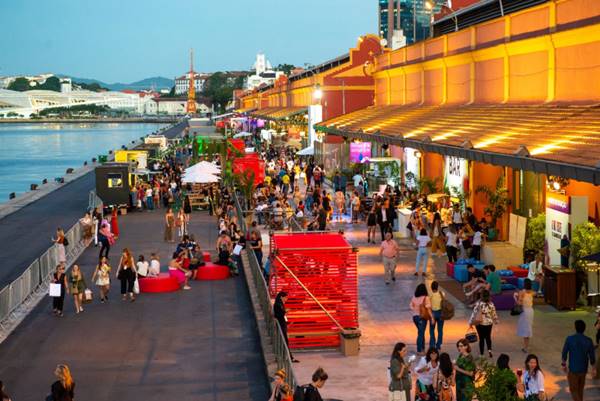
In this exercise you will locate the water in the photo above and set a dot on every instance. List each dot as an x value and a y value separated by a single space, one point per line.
31 152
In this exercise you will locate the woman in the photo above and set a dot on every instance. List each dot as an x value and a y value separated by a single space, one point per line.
400 383
142 266
371 223
297 196
436 297
318 381
355 205
437 236
281 390
187 209
422 242
532 384
444 379
106 239
169 225
126 273
465 371
452 244
340 202
503 364
256 245
420 306
63 388
101 277
59 277
224 248
3 395
77 286
525 324
114 224
484 317
426 370
87 224
60 245
279 312
181 223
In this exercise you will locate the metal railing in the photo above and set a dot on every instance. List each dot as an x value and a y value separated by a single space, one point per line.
33 282
280 348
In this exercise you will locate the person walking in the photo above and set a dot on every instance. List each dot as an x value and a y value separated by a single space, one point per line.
437 236
180 222
60 245
169 225
580 352
371 224
400 382
465 371
422 244
452 244
436 297
532 382
106 239
101 278
256 244
126 273
484 317
63 389
443 380
59 277
279 312
383 219
355 206
77 286
420 305
525 323
389 253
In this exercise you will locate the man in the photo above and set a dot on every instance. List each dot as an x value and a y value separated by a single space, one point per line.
285 181
536 272
389 253
579 349
337 182
322 218
494 283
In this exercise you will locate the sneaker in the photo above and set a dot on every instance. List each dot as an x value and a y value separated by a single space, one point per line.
81 309
490 354
393 278
416 274
187 287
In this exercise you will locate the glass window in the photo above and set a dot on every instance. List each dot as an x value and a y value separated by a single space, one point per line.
115 180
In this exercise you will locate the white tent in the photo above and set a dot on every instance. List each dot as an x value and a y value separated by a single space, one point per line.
306 151
197 177
204 167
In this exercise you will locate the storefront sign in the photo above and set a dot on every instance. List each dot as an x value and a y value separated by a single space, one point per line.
315 116
558 202
360 152
456 170
556 229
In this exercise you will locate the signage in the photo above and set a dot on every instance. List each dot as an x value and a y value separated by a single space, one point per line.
360 152
315 116
456 171
560 203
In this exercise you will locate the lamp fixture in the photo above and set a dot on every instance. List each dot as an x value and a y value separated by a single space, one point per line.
418 154
318 92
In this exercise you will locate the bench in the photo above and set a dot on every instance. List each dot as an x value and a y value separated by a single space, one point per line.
211 271
163 283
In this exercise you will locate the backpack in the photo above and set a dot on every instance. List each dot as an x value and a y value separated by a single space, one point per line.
447 309
300 392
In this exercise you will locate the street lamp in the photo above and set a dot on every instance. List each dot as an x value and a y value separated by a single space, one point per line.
318 92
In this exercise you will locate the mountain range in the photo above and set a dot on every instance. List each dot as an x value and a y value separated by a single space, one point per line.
156 83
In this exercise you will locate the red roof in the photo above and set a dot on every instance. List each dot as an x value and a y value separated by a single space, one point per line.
310 241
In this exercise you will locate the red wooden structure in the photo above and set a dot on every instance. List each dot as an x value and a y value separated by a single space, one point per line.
326 264
253 163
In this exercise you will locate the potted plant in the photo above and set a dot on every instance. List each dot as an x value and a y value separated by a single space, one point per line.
497 204
428 185
535 236
245 183
493 383
585 240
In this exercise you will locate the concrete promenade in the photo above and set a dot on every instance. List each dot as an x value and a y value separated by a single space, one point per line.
385 318
200 344
25 234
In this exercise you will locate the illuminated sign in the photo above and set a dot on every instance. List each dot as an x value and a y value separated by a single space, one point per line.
359 151
558 202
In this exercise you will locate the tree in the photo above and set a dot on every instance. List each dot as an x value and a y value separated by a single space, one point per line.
51 84
286 68
20 84
94 87
219 88
498 200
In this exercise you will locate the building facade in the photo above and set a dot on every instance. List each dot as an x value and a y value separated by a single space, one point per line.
403 22
182 83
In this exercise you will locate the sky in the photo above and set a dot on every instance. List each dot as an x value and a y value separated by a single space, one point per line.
128 40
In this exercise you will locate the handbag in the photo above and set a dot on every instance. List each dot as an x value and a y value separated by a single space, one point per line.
478 319
136 286
87 296
447 311
65 241
516 310
471 336
423 311
54 290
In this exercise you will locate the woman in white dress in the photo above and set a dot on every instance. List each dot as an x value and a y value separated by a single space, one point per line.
60 245
525 324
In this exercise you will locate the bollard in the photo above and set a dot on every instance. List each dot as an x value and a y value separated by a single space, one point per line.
93 160
12 195
85 163
33 187
70 171
44 181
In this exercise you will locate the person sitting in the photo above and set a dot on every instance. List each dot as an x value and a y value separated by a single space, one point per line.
142 267
277 216
154 269
476 279
177 269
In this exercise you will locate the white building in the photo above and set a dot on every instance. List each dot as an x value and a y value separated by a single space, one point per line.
177 106
182 83
263 73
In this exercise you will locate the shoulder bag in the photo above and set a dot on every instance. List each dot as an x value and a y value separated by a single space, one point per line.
447 311
423 311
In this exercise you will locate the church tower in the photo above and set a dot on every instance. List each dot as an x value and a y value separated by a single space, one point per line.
191 101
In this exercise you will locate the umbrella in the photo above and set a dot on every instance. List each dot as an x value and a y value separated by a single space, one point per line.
306 151
197 177
204 167
595 257
242 135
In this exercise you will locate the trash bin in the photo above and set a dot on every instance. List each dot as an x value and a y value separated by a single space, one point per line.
350 341
102 159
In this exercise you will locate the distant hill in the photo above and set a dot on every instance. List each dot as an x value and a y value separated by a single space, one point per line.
156 83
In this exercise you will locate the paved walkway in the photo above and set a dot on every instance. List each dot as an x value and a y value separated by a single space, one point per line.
200 344
31 227
385 318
